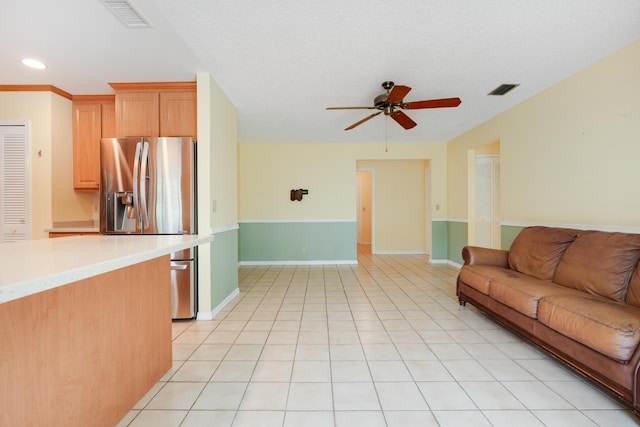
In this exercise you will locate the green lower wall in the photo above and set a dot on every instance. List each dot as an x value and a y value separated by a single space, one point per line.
458 238
507 234
297 241
449 237
224 266
440 240
326 241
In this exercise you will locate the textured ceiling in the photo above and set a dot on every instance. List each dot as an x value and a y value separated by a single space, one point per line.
281 62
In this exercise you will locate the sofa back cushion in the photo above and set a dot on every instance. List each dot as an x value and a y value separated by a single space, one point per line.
633 291
537 250
600 263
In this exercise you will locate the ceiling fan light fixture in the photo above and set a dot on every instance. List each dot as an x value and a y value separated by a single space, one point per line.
391 102
503 89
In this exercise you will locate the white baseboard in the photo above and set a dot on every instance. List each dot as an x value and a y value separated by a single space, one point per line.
445 261
399 253
304 262
219 307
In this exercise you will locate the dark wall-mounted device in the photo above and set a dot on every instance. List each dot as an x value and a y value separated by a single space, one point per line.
297 194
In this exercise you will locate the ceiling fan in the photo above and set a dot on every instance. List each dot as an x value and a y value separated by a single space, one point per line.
392 102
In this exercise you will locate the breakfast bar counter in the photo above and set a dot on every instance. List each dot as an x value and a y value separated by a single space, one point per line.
33 266
85 326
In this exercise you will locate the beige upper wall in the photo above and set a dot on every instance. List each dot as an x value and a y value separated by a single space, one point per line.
569 154
34 107
268 172
66 203
204 154
491 149
217 156
52 195
224 161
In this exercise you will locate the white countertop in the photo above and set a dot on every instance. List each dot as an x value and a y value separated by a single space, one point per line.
33 266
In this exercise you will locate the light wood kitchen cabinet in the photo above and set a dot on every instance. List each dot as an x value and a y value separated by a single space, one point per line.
93 118
155 109
137 114
178 113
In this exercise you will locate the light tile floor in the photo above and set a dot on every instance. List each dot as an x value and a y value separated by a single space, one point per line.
383 343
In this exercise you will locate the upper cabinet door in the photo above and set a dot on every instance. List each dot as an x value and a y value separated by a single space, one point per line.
178 113
93 118
86 146
156 109
137 113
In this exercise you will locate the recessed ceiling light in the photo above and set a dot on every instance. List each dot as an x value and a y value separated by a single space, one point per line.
34 63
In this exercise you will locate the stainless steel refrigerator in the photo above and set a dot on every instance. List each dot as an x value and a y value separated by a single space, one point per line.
148 186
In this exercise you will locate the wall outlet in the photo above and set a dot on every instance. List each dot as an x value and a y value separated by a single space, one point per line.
214 205
304 250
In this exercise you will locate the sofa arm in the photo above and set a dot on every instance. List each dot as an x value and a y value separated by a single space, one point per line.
485 256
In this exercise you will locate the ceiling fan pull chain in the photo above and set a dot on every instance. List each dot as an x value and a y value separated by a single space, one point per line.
386 134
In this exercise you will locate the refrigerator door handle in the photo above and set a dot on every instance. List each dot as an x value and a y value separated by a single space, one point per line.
136 181
145 172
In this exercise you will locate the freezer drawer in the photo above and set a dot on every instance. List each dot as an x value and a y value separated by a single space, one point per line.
182 289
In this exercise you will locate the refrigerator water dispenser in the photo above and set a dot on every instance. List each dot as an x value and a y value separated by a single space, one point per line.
121 213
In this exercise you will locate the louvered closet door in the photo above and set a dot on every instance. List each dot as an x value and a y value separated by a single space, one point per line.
14 184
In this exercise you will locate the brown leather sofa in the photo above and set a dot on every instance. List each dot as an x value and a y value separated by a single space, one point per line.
573 293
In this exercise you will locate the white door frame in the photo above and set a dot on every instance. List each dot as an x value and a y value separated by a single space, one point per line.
428 243
358 211
472 200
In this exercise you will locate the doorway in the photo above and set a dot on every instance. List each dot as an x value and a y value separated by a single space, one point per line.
487 201
364 207
483 191
398 220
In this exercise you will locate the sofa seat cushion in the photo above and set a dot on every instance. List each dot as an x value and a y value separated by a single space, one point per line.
606 326
600 263
479 277
523 293
537 250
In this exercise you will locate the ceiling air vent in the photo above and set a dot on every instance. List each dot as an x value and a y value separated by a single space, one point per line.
126 13
503 89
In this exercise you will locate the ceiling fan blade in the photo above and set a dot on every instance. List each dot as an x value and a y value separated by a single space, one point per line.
363 120
433 103
397 94
403 120
351 108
